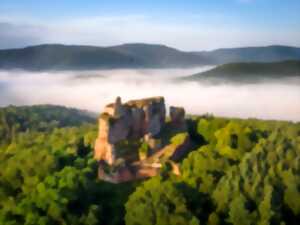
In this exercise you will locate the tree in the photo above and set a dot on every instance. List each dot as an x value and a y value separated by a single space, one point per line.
158 202
238 214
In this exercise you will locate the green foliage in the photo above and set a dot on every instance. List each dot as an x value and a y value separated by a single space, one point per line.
158 202
44 175
249 169
238 214
266 166
208 126
203 169
179 139
233 140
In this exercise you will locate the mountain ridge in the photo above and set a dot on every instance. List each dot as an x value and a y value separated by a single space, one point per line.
134 55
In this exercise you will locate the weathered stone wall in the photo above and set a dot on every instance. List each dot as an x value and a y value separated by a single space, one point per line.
177 115
104 150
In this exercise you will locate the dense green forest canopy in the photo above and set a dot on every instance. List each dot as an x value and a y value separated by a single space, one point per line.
240 172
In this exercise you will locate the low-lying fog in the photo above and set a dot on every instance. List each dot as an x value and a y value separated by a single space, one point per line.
93 89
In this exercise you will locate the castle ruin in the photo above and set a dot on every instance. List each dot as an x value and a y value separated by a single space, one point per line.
142 119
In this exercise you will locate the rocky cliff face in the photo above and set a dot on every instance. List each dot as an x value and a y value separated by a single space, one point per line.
131 120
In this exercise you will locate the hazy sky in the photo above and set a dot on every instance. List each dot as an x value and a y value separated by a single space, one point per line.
184 24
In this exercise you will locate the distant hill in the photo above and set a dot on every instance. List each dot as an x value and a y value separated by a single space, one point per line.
273 53
248 72
72 57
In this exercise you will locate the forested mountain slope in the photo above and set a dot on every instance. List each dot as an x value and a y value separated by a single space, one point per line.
40 118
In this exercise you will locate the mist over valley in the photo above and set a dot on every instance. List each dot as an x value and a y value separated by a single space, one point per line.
93 89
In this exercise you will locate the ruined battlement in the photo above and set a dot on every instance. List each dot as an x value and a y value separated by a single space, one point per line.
140 103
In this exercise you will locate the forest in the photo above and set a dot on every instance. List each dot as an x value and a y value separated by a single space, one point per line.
241 172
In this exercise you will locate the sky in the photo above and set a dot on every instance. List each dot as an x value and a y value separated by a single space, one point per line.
190 25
